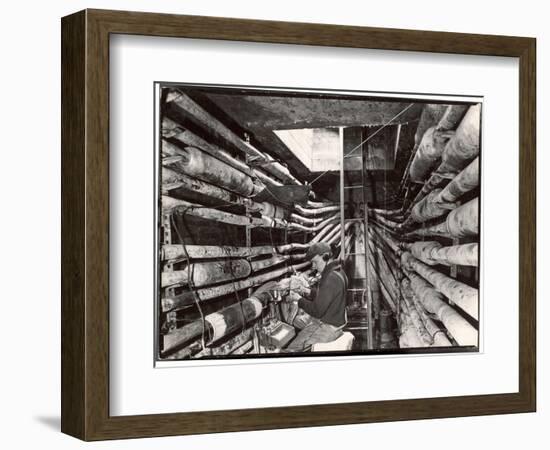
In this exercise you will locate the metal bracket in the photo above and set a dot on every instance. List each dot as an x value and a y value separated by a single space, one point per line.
171 323
167 239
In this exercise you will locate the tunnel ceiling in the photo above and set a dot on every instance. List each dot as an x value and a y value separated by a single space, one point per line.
275 113
261 114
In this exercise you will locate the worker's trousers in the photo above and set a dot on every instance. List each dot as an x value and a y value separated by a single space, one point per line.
315 332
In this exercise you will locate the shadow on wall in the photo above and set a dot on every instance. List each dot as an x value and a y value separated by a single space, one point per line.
52 422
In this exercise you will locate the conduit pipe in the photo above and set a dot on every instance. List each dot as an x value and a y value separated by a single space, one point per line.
188 298
270 210
459 151
429 153
306 220
444 120
316 211
170 204
437 333
386 264
391 257
461 222
384 229
329 238
409 337
266 179
230 347
337 238
464 182
188 139
210 272
464 296
429 208
315 227
198 164
173 180
233 318
389 240
227 347
171 129
433 253
451 117
323 236
394 214
464 146
387 223
374 277
335 229
273 222
244 349
312 204
324 232
406 295
431 115
388 283
294 246
177 251
190 108
434 303
262 264
435 336
439 201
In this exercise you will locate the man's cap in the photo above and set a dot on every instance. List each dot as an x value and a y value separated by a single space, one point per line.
318 248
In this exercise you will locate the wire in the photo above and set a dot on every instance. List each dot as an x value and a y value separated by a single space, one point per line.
379 129
233 282
183 210
271 193
191 284
190 268
194 206
368 138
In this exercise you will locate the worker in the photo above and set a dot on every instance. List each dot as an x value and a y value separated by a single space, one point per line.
326 304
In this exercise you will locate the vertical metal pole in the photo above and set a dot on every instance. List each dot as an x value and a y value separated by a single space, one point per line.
342 198
248 230
248 237
454 268
370 321
170 318
398 134
167 239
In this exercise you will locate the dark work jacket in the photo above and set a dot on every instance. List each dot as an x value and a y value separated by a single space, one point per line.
329 299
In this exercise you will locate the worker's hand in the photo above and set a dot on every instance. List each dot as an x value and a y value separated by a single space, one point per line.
293 297
283 284
299 284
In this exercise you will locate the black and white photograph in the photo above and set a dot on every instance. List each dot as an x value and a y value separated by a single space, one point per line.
295 222
270 225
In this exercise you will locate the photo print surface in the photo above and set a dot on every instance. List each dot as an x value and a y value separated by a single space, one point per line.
308 223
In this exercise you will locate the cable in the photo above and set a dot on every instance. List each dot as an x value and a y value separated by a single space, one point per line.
190 282
183 211
233 282
368 138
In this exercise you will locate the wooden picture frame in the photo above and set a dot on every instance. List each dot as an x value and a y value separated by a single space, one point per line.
85 224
